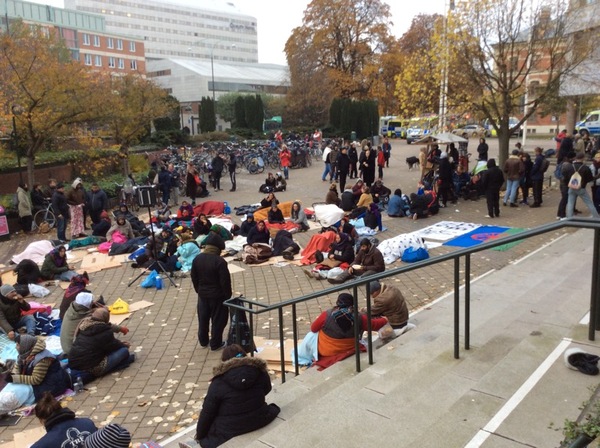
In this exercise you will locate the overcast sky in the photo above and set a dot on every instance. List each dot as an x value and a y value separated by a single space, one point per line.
277 18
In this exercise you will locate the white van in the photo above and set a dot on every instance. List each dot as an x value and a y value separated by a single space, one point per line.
590 125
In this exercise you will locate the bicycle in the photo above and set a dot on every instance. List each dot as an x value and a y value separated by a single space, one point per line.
45 215
126 193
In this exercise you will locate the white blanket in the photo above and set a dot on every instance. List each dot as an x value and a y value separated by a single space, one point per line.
393 248
36 252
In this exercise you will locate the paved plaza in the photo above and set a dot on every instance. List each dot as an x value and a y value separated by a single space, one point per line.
162 391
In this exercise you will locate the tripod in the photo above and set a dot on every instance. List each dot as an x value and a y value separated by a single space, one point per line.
147 198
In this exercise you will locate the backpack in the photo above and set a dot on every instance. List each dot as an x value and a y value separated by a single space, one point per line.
545 165
575 180
558 171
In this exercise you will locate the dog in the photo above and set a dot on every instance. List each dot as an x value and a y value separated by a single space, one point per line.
412 162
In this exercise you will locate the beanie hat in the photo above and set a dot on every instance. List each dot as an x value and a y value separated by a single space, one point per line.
344 300
374 286
76 182
111 436
214 239
84 299
26 343
5 290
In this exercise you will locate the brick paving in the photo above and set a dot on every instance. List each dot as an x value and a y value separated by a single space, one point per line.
162 391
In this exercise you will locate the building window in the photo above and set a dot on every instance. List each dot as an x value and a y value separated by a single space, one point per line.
132 46
121 63
110 43
133 64
86 39
96 41
119 44
111 62
98 60
87 59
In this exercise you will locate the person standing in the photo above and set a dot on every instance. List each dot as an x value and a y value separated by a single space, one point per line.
174 184
164 180
537 177
566 170
343 166
327 169
367 165
232 166
25 207
333 159
525 181
491 182
353 156
190 182
97 202
482 149
387 151
579 190
217 170
380 161
76 201
285 157
61 210
212 282
513 168
445 179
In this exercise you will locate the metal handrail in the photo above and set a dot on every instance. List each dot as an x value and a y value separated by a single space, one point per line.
255 307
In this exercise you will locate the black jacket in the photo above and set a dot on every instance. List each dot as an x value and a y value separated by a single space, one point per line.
63 429
210 277
94 341
348 202
275 217
97 200
254 236
235 402
343 163
246 226
59 204
492 179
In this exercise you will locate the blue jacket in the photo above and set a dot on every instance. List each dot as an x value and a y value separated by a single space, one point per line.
397 206
536 170
63 429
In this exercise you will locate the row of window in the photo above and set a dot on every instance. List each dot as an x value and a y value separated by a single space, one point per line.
112 61
110 42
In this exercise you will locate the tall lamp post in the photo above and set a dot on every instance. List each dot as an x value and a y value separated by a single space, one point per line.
14 137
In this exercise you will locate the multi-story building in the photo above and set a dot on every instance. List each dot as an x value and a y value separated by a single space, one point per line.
84 34
180 28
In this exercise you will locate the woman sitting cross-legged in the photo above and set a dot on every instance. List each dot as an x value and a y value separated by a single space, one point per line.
235 402
341 251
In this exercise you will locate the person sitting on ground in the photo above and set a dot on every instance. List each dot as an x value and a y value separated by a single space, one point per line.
269 185
423 205
247 225
222 232
332 196
368 260
298 217
82 307
268 201
77 284
235 401
348 229
389 302
341 251
95 349
460 179
36 371
103 226
258 234
187 251
202 225
55 266
347 200
357 190
123 226
275 215
280 183
110 436
63 429
336 328
365 198
136 224
379 191
12 304
185 211
398 205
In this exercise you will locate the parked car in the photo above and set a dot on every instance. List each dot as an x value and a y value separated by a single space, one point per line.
471 130
414 134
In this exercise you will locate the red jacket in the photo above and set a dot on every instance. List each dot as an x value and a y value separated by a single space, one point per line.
380 158
285 156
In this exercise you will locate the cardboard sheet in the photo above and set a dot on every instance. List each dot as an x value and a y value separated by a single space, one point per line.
9 278
233 268
97 261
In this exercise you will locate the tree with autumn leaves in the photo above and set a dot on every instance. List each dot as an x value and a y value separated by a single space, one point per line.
50 93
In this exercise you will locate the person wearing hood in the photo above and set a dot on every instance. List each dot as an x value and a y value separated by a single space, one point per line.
235 401
25 207
185 211
336 327
82 307
123 226
61 211
136 224
332 196
55 266
36 371
247 225
63 428
341 251
78 284
103 225
258 234
76 200
12 305
298 217
95 349
187 251
491 182
212 282
379 191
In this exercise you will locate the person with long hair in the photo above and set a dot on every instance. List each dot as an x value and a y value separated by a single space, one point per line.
235 401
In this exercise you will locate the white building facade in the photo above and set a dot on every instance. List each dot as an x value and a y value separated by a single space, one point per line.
180 28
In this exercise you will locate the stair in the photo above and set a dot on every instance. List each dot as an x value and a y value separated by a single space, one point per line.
417 394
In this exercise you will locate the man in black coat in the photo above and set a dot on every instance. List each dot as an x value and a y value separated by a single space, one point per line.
491 182
482 150
61 211
96 201
212 282
343 167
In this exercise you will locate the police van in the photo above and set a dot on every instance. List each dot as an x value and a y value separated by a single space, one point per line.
590 125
